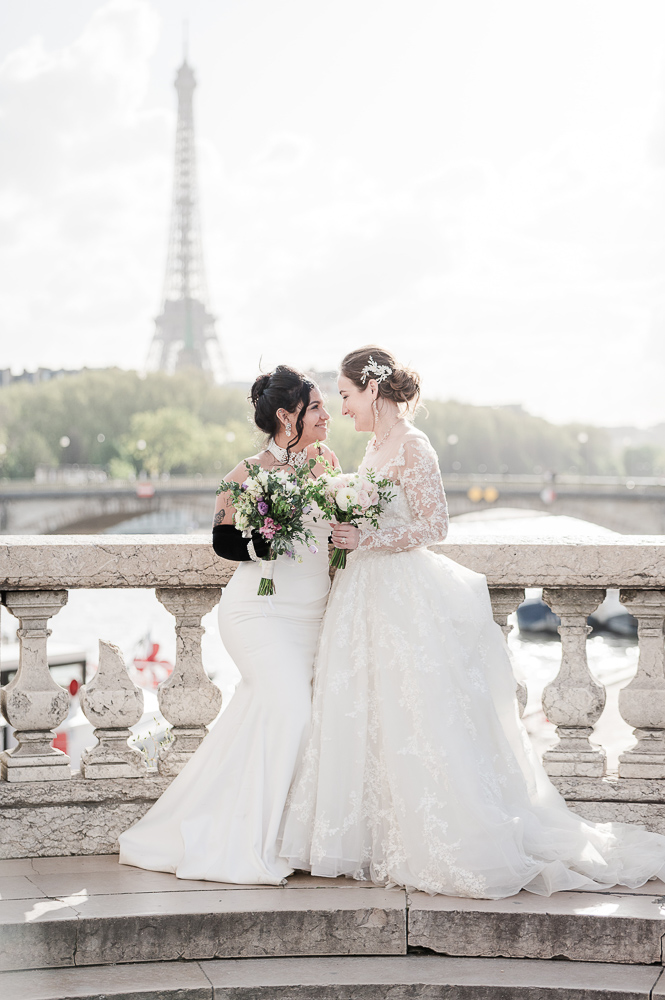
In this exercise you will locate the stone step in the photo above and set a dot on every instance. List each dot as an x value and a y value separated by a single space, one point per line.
626 926
200 924
406 977
61 912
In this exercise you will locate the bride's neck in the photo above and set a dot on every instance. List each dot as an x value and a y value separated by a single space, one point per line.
387 419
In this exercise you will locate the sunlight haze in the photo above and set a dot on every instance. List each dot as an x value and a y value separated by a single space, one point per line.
479 186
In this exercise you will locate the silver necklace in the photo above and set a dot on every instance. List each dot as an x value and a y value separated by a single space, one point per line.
377 444
297 459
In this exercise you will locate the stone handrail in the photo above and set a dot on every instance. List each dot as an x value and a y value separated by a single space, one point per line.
38 788
47 562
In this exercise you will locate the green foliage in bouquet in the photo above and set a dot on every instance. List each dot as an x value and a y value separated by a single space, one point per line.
274 503
350 498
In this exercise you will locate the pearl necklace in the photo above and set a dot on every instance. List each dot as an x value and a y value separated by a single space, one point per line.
296 460
375 445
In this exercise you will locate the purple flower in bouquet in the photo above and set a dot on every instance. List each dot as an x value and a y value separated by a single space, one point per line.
285 496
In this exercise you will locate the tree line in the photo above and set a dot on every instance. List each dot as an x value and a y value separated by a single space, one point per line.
182 424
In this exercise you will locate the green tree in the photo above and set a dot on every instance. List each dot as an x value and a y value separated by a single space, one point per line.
28 449
191 425
644 460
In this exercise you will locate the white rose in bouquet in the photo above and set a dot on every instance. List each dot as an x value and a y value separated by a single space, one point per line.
345 497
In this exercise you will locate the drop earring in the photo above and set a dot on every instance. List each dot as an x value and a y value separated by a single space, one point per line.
288 429
375 411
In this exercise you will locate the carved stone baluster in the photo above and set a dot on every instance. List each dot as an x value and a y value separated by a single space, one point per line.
113 703
32 702
188 699
642 702
574 700
505 600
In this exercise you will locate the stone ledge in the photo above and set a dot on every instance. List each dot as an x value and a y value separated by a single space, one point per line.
28 562
51 819
40 562
171 926
82 817
648 814
611 789
579 926
404 977
79 790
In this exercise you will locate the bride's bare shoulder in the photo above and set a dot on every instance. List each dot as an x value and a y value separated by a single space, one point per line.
320 450
239 474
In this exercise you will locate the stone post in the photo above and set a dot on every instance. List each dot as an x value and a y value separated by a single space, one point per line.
574 701
642 702
188 699
505 600
113 703
32 702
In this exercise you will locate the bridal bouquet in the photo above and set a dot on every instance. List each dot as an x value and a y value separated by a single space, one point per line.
350 498
273 503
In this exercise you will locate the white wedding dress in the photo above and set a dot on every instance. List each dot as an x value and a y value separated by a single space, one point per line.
219 818
418 771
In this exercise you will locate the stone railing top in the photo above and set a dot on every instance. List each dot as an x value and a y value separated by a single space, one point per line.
45 562
41 562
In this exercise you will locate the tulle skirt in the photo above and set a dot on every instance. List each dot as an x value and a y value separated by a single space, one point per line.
418 771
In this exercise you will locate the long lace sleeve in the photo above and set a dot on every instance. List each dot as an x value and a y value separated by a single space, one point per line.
420 479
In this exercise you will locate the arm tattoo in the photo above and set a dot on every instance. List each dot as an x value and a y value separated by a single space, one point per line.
219 517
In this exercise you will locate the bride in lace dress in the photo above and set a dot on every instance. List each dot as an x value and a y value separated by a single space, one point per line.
418 771
219 818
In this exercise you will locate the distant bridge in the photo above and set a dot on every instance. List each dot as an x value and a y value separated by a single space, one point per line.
630 506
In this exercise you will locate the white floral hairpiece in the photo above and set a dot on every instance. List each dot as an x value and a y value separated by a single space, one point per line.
378 372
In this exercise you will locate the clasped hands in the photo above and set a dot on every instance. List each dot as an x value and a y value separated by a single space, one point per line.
345 536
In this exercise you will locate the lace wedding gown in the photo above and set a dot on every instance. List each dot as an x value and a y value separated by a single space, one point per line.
219 818
418 771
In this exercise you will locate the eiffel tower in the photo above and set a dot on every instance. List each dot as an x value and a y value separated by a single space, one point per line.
185 335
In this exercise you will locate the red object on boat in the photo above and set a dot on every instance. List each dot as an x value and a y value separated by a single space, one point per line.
152 670
60 742
74 686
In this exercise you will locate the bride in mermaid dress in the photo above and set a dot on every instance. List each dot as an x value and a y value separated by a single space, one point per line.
219 818
418 771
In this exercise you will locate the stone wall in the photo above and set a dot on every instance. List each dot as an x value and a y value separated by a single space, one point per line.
46 809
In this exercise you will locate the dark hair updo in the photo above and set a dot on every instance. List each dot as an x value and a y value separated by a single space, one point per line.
282 389
401 386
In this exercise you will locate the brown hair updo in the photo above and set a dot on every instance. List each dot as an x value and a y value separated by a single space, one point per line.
403 386
281 389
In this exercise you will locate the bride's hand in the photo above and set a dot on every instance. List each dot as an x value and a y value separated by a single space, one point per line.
345 536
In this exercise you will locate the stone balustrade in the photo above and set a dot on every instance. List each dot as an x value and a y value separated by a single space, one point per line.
49 809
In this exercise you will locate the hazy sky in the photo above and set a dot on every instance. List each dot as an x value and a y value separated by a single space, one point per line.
478 185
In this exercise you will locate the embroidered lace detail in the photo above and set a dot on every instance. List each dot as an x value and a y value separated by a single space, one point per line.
419 513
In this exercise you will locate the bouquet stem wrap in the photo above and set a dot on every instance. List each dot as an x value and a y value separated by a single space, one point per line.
266 585
338 558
